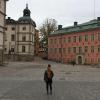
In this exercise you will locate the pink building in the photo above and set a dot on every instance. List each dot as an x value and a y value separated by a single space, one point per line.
79 43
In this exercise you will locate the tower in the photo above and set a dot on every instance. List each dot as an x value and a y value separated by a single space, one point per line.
26 11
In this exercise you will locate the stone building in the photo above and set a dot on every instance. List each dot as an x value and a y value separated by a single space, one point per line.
19 37
79 43
2 26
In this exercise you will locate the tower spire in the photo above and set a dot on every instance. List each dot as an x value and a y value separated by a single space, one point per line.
26 11
26 5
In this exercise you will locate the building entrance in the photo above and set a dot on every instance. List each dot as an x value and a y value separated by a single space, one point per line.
79 59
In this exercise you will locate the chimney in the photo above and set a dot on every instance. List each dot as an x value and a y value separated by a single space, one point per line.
9 18
98 18
59 27
75 23
98 21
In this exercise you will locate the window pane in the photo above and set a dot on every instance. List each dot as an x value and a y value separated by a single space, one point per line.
13 28
80 49
99 36
74 39
92 37
24 28
23 48
60 40
86 37
24 38
12 49
13 37
64 50
64 40
92 48
80 38
86 49
99 48
59 50
55 41
69 39
69 50
74 49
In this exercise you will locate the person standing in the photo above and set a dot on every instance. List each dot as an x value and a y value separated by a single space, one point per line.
48 75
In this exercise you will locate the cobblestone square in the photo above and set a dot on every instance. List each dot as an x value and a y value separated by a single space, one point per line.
24 81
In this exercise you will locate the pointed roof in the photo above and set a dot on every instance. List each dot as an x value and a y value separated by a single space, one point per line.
26 11
26 17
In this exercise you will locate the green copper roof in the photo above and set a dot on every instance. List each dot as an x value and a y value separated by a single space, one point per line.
80 27
26 19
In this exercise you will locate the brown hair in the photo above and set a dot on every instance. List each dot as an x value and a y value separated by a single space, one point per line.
49 65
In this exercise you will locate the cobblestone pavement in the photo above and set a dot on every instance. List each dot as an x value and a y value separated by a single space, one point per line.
62 90
24 81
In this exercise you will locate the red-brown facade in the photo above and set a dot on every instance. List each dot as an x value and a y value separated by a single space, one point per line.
81 46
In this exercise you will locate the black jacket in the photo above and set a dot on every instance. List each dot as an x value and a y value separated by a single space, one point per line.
46 79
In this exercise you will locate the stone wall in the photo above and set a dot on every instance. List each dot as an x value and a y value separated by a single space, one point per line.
1 57
18 57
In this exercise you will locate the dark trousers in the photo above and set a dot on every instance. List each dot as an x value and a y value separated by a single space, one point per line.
49 85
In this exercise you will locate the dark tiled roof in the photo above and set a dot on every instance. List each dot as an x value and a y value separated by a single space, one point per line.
10 21
80 27
21 20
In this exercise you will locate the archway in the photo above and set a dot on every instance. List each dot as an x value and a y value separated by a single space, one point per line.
79 60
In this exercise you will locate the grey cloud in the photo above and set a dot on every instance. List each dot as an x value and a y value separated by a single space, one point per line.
64 11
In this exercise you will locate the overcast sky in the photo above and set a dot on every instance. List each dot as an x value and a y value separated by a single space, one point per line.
64 11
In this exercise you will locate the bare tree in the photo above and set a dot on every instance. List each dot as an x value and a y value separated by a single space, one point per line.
48 26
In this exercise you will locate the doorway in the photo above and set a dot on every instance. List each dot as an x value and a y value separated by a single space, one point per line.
79 59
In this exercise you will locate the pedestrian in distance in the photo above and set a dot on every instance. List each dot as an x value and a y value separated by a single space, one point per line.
73 63
48 76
